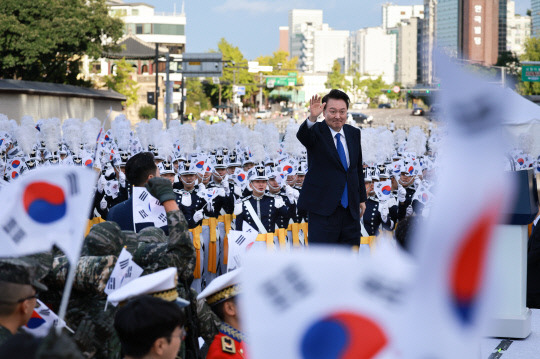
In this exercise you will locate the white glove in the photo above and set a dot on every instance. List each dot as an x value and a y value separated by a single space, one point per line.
122 179
383 209
221 192
401 193
417 182
210 205
279 202
102 182
197 216
103 203
409 211
186 199
237 191
238 208
292 193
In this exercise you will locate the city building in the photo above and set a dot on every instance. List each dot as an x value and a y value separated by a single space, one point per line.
302 26
468 29
503 19
535 15
328 45
372 52
167 29
407 51
518 30
392 14
284 39
427 43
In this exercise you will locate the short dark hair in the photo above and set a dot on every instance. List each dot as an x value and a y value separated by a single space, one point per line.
336 95
139 167
145 319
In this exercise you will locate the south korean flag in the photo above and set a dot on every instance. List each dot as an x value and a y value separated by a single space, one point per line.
125 270
147 209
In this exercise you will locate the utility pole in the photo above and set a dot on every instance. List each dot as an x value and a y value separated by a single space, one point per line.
156 96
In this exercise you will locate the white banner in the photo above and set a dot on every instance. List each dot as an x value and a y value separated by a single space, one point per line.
147 209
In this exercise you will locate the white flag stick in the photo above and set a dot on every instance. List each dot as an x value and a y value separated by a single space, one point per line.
67 293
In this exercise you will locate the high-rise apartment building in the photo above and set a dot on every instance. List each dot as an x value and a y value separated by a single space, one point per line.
427 42
407 51
284 38
518 30
328 45
535 15
394 14
372 51
302 27
503 20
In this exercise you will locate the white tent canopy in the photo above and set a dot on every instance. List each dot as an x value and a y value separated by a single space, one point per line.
522 126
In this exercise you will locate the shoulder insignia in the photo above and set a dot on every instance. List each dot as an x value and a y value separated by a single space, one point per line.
177 191
227 345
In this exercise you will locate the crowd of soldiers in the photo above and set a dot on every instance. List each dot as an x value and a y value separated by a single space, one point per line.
224 178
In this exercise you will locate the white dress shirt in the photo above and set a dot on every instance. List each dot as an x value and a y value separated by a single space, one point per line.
342 138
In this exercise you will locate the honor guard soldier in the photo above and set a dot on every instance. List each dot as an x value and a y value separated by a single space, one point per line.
189 199
221 295
377 214
260 210
406 189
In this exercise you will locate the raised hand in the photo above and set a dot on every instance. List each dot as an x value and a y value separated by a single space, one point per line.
315 108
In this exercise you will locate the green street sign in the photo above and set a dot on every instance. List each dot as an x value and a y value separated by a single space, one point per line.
277 81
292 74
530 73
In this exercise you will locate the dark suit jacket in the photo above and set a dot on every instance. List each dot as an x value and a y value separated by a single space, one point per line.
325 179
122 214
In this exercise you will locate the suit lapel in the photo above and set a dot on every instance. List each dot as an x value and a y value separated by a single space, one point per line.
327 136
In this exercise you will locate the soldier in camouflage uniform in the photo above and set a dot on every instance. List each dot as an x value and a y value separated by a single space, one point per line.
153 251
18 295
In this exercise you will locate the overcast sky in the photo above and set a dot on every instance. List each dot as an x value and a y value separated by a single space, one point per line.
252 25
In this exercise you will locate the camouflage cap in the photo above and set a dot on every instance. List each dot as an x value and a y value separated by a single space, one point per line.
19 272
152 235
104 239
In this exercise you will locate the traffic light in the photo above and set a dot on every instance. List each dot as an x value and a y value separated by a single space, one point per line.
427 91
388 91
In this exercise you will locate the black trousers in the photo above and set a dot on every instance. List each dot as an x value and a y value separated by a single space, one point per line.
338 228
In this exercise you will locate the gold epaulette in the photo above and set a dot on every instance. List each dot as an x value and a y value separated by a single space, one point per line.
227 345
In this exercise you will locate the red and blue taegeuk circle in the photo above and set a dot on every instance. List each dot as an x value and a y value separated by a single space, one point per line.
410 170
88 163
44 202
15 164
200 164
35 321
521 161
386 190
14 174
287 169
343 335
241 177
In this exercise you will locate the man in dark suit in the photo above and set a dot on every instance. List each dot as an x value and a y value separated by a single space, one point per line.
139 169
333 192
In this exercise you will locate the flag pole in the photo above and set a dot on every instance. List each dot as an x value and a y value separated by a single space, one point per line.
67 292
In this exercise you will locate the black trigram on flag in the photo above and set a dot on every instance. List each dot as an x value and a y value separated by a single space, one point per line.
124 263
143 213
112 283
240 240
162 217
128 272
13 230
45 312
143 196
72 182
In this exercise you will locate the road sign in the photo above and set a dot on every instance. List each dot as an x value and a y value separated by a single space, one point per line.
276 81
396 89
202 64
530 73
239 90
292 74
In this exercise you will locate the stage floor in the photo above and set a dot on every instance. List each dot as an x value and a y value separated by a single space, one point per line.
514 348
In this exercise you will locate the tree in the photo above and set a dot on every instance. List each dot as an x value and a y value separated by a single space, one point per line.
147 112
196 101
281 66
123 83
45 40
235 70
336 79
531 53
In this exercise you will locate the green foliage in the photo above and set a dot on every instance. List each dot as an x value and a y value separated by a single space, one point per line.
336 79
123 83
45 40
196 101
147 112
532 53
235 70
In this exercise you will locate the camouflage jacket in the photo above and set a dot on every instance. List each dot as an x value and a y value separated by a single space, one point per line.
5 334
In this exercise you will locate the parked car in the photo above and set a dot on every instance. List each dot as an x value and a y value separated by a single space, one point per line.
359 105
385 105
418 112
